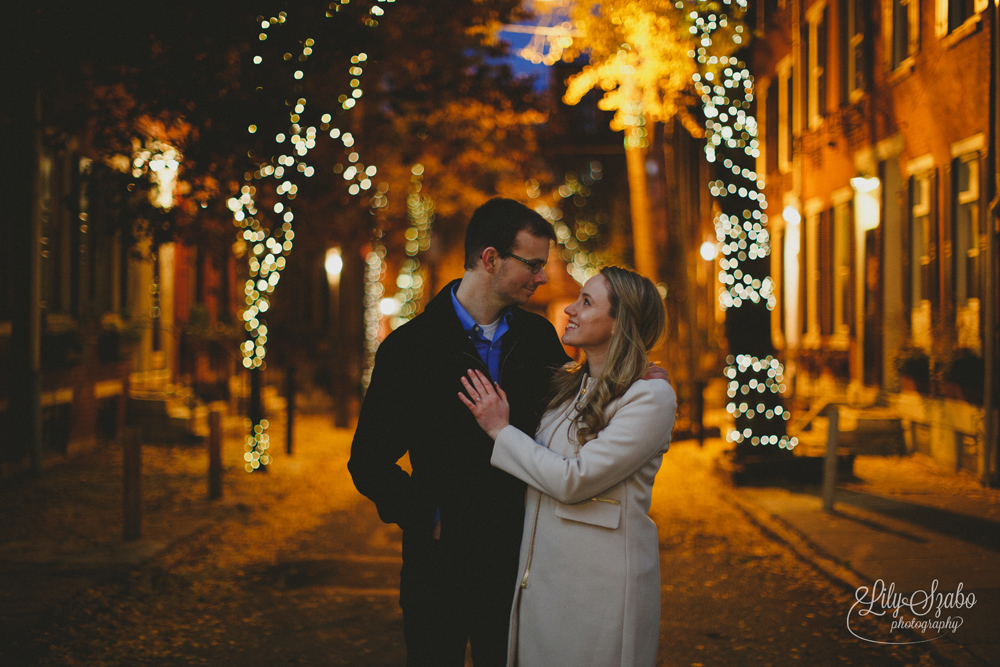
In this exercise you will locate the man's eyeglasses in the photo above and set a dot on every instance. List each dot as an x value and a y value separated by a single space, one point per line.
535 265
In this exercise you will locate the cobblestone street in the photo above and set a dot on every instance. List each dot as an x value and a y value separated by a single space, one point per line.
294 568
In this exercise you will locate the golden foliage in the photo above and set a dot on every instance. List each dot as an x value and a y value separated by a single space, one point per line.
639 55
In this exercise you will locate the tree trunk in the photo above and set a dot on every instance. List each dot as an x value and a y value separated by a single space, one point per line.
644 244
22 224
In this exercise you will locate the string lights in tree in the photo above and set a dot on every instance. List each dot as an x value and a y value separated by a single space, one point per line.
158 161
410 281
268 234
726 88
373 290
403 306
579 235
374 272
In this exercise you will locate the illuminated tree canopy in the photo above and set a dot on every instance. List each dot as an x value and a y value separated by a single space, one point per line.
637 54
655 59
364 94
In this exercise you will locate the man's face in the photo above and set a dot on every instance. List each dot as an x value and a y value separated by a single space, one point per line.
513 282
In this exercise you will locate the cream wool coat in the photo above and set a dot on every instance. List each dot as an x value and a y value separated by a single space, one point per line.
589 573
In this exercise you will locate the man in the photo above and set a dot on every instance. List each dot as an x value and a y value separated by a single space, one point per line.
461 518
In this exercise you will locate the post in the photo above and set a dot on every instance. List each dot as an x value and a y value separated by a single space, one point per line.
988 452
20 189
290 407
698 411
132 468
830 463
215 452
34 389
256 407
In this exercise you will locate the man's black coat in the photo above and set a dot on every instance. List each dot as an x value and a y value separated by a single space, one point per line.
412 406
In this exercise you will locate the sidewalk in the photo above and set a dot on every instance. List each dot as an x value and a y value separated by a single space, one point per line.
901 520
62 532
906 522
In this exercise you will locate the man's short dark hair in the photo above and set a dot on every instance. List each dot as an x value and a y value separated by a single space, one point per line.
496 223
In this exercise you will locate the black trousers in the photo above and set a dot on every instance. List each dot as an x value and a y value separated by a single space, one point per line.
449 602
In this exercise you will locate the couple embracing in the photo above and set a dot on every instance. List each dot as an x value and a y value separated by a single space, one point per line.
525 518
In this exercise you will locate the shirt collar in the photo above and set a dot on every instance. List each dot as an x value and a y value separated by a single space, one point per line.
469 324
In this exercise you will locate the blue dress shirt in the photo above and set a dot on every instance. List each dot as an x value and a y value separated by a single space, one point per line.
489 351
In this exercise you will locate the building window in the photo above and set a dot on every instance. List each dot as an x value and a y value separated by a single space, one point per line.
57 251
790 114
904 36
951 15
966 212
765 13
854 31
922 256
966 243
816 48
958 12
109 256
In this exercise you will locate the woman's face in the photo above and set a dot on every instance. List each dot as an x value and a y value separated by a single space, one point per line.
590 322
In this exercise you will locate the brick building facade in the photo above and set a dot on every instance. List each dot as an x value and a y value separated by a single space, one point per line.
877 125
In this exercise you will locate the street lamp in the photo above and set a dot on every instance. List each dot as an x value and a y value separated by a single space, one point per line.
161 163
866 202
867 214
334 264
705 304
791 265
791 215
389 306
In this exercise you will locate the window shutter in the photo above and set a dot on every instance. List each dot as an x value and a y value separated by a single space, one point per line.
908 265
982 238
852 286
805 285
888 28
823 62
947 243
913 17
79 302
940 18
933 279
867 29
844 45
772 106
826 269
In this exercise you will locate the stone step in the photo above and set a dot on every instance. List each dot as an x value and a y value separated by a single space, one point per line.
869 431
166 418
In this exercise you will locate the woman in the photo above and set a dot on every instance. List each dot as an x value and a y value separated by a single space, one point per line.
589 577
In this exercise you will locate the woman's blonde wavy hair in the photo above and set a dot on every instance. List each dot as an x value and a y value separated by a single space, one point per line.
639 317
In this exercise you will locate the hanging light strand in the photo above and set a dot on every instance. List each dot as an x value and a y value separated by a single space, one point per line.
573 233
726 89
410 281
269 235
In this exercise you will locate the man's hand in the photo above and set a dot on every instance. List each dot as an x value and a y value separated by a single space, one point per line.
487 403
656 373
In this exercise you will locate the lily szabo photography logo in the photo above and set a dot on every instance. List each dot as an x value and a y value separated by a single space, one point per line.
879 612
